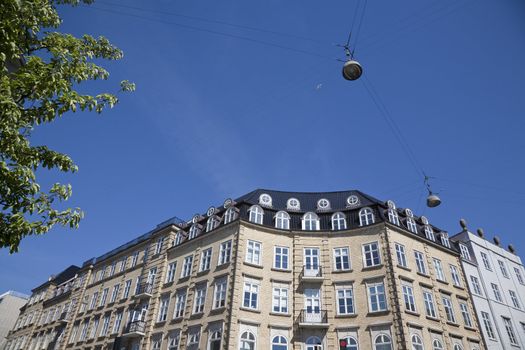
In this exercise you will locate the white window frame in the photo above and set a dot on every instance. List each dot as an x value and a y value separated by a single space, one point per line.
338 221
199 301
252 287
401 255
230 215
345 300
180 303
371 251
503 268
496 292
310 222
282 220
225 252
163 309
219 293
186 266
342 258
170 275
476 287
486 262
256 214
485 317
253 252
420 262
456 278
430 306
449 308
438 267
374 297
281 258
206 255
366 217
280 299
466 314
408 296
465 253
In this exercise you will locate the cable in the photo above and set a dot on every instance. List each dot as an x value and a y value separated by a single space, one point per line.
262 42
359 26
353 22
240 26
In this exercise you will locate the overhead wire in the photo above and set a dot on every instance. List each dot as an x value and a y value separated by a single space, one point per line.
359 26
353 23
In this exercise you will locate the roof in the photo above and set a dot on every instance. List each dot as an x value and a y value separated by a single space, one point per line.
62 277
14 294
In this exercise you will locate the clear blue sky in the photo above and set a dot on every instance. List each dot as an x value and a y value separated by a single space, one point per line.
216 116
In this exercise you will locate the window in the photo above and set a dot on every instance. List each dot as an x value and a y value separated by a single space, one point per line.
194 336
280 260
351 343
514 299
279 343
134 259
393 217
225 252
230 215
417 343
113 268
282 220
503 269
156 343
93 301
219 296
444 239
314 343
338 221
382 342
114 294
518 275
437 345
310 222
342 259
449 311
352 201
429 232
420 262
194 231
253 252
174 340
178 238
455 275
345 301
371 254
293 204
163 309
212 223
265 199
440 275
105 325
200 299
83 333
465 253
366 217
486 261
158 246
186 267
94 328
376 297
170 276
256 214
430 308
411 224
127 288
180 303
205 260
466 315
495 290
118 320
400 254
323 204
215 340
247 341
408 297
476 288
251 293
458 347
103 297
280 299
510 331
488 325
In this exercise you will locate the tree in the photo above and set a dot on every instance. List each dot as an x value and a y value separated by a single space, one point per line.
40 72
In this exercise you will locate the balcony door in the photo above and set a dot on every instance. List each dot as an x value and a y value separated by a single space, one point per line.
151 276
311 262
312 305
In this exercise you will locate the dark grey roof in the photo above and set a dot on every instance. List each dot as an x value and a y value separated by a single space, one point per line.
62 277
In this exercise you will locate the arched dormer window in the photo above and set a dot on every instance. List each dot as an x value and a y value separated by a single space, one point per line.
393 217
429 232
265 200
195 229
338 221
256 214
178 238
352 201
282 220
310 222
382 342
417 343
444 239
323 204
411 223
230 215
212 223
293 204
366 217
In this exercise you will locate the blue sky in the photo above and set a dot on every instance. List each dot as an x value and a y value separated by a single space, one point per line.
222 109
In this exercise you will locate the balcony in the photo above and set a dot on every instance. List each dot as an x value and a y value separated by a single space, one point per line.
311 274
313 318
144 290
134 329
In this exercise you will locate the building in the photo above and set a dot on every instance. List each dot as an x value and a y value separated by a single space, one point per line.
10 304
496 280
269 270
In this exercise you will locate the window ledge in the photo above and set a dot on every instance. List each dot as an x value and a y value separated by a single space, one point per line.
273 313
442 281
160 323
452 324
459 287
250 310
413 313
167 284
342 271
203 272
471 328
404 268
197 315
346 315
253 265
433 318
280 270
423 274
374 267
218 310
378 313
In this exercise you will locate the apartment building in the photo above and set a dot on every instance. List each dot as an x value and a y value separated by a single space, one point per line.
496 280
273 270
10 304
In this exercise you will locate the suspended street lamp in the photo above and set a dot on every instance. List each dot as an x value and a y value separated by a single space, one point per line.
432 199
352 70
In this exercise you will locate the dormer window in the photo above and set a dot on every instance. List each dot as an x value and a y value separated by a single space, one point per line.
411 225
429 232
230 215
352 201
310 222
256 214
465 253
444 239
265 200
293 204
338 222
212 223
366 217
323 204
393 217
178 238
282 220
194 231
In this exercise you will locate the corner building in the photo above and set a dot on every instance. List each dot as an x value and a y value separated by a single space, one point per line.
281 271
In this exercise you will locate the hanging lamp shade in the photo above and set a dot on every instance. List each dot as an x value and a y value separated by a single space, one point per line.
433 200
352 70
